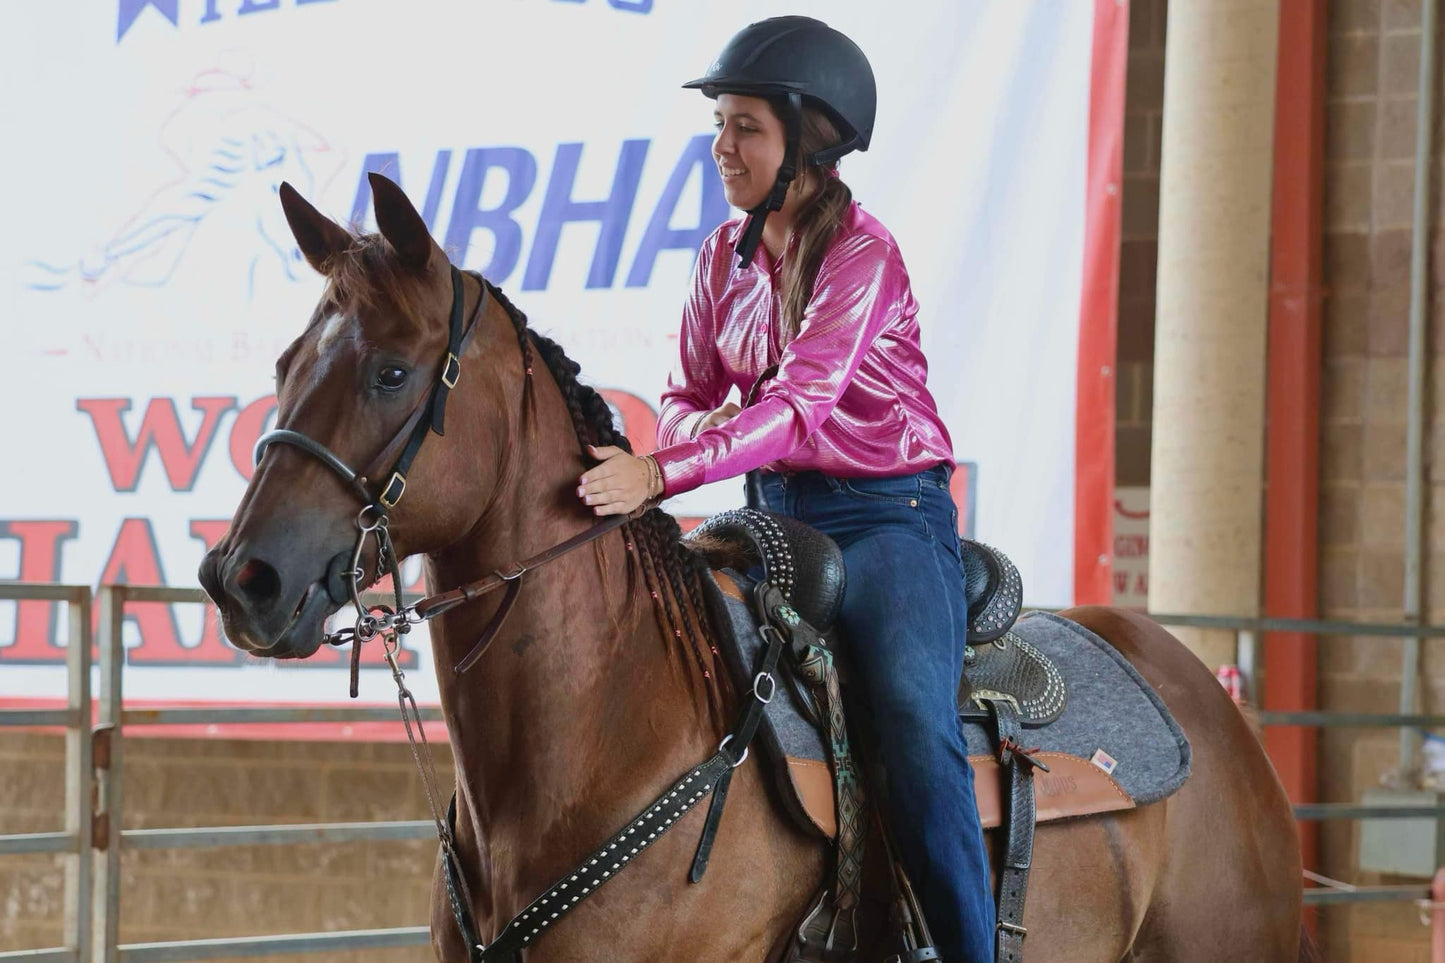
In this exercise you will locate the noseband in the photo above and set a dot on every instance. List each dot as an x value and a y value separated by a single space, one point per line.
428 416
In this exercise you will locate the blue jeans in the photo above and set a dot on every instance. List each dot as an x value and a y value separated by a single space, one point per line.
906 619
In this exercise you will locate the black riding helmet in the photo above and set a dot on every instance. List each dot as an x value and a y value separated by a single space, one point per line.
792 61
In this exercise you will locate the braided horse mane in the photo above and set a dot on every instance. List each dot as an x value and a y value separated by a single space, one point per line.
672 571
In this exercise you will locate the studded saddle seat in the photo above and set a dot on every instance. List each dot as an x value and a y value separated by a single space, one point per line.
807 567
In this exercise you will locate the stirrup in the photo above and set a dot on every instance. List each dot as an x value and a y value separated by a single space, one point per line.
827 934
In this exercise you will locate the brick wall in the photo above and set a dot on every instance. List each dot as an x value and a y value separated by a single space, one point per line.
1372 69
237 891
1143 127
1373 66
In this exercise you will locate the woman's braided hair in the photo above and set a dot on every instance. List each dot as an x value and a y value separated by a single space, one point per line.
673 572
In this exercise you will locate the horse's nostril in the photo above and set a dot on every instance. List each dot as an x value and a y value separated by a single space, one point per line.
258 580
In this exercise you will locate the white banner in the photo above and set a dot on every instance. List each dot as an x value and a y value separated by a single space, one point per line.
150 279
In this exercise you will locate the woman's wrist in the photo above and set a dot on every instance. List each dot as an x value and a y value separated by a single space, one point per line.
655 482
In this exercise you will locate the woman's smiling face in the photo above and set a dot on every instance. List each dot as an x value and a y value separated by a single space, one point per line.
748 148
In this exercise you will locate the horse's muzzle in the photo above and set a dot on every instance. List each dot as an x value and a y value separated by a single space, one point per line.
263 611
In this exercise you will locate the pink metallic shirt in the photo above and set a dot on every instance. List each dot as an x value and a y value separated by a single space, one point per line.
850 397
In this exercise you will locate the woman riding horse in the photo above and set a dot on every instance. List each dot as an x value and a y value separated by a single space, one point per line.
813 287
602 694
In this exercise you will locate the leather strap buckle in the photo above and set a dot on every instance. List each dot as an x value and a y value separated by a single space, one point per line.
758 681
1013 928
395 488
741 759
451 371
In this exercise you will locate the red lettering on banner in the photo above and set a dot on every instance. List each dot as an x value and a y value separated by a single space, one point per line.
213 647
35 621
639 421
135 560
247 431
1131 546
160 429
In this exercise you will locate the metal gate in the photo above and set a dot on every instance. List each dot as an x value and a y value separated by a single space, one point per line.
93 839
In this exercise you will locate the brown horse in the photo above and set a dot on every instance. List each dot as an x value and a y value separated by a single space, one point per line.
601 686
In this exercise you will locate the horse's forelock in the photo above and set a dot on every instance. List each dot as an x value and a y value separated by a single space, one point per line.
369 275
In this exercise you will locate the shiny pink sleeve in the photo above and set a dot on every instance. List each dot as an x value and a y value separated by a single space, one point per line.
860 283
698 384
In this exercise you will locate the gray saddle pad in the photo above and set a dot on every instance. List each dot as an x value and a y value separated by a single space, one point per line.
1110 707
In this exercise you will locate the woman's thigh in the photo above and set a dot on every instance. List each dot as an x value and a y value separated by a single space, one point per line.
905 609
904 614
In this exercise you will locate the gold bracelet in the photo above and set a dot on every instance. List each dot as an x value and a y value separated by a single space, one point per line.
654 477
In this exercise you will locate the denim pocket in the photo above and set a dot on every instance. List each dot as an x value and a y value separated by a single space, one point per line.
898 490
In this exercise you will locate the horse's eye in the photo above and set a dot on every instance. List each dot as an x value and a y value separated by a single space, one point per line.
390 378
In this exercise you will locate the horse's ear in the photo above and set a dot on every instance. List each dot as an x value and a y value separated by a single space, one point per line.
399 222
317 235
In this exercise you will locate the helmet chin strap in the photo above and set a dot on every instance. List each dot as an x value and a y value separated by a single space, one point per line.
753 232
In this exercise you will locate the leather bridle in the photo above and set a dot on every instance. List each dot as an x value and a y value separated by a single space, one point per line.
373 520
390 623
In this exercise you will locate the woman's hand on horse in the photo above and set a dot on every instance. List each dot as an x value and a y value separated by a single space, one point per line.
619 485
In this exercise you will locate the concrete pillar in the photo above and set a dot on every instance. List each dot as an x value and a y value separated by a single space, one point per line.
1209 363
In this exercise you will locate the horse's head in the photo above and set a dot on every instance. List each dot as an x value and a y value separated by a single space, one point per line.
355 384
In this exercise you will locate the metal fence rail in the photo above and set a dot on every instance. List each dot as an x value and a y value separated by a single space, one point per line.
275 945
288 834
1325 896
75 841
93 803
114 718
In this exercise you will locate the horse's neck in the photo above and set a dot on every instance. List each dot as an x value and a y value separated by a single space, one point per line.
578 701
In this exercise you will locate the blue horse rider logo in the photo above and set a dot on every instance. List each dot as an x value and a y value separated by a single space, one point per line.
230 151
